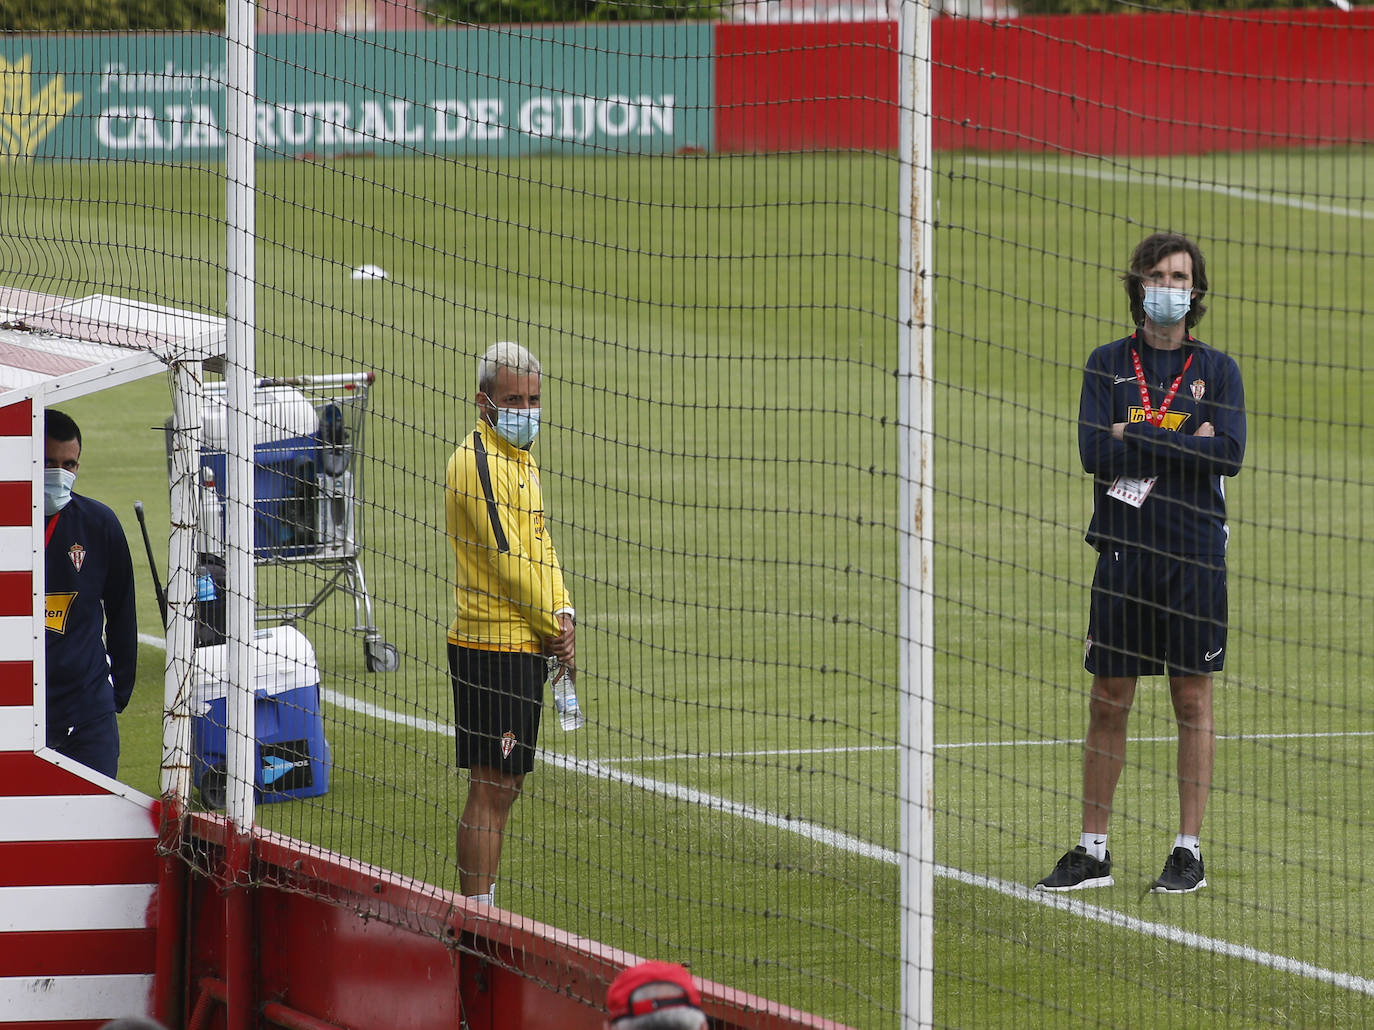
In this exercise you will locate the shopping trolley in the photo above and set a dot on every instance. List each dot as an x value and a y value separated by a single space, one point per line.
308 433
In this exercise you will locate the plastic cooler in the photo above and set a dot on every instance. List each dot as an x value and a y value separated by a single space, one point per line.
286 462
292 755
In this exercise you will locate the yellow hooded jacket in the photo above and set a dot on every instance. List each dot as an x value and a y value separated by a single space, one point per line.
509 583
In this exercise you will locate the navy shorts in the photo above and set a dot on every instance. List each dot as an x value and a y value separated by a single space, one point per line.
94 744
1152 612
497 697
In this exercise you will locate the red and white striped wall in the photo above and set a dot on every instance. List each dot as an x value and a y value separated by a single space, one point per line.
78 862
78 920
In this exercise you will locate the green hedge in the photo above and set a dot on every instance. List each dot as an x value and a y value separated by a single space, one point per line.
208 15
112 15
524 11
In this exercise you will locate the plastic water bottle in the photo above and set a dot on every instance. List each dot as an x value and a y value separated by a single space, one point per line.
570 715
210 529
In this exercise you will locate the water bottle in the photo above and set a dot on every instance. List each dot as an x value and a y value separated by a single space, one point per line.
210 529
570 715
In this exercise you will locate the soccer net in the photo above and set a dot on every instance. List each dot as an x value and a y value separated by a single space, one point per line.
697 227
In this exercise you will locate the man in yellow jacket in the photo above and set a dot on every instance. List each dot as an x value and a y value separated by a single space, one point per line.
512 606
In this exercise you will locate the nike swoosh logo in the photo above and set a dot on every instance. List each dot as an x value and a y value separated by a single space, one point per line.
1123 379
1213 655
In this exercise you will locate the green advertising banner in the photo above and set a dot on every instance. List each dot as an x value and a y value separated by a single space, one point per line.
507 91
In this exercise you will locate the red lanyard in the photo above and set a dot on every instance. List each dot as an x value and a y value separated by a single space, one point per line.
1156 417
52 524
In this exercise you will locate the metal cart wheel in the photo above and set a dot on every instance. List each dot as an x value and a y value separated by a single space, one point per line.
379 656
214 787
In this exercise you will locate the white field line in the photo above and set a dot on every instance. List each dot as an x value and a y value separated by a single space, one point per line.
845 842
972 744
1172 934
1175 182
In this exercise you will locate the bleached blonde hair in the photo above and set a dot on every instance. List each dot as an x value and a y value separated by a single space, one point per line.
505 354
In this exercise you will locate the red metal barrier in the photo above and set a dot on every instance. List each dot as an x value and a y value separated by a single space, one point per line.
212 992
339 943
170 959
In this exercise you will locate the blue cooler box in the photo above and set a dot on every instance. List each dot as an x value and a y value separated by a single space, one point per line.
292 756
286 465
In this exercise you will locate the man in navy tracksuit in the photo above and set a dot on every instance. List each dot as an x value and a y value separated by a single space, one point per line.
92 628
1161 420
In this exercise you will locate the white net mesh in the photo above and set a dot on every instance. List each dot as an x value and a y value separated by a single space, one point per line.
695 227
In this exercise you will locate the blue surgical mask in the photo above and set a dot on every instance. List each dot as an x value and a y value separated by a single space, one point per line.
57 490
518 426
1167 305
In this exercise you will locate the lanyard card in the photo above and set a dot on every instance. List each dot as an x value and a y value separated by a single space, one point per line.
1132 491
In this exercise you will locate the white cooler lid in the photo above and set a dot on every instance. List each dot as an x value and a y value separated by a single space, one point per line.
283 660
279 413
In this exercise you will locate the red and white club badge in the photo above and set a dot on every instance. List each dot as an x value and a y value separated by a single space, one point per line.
1199 387
77 554
507 743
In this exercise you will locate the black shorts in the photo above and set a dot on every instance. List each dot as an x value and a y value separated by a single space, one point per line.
497 697
94 744
1152 612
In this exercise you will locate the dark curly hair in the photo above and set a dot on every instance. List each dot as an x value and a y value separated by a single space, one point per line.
1151 251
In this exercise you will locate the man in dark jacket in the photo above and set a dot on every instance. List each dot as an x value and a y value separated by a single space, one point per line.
1161 421
92 627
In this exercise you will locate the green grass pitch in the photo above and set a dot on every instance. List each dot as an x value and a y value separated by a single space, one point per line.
719 458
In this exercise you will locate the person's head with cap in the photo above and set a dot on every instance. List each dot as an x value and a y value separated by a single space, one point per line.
654 996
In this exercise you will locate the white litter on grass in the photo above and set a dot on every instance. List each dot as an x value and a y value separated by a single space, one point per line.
369 272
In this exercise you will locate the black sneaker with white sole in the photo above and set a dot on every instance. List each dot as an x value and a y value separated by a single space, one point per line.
1182 874
1078 871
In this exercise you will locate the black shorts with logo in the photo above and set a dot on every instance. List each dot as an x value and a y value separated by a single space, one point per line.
1152 612
94 744
497 698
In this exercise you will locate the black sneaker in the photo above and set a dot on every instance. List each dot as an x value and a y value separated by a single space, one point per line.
1078 871
1182 874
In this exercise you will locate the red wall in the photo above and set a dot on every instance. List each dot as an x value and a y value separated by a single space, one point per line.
806 87
1101 84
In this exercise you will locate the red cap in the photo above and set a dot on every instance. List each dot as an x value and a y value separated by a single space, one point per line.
648 987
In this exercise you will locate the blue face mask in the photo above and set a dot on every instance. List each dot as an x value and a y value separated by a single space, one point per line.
518 426
57 490
1167 305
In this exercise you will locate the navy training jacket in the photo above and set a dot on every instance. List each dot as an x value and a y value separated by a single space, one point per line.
1185 513
90 585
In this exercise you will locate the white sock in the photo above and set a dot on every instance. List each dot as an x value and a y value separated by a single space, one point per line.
489 898
1193 844
1094 844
